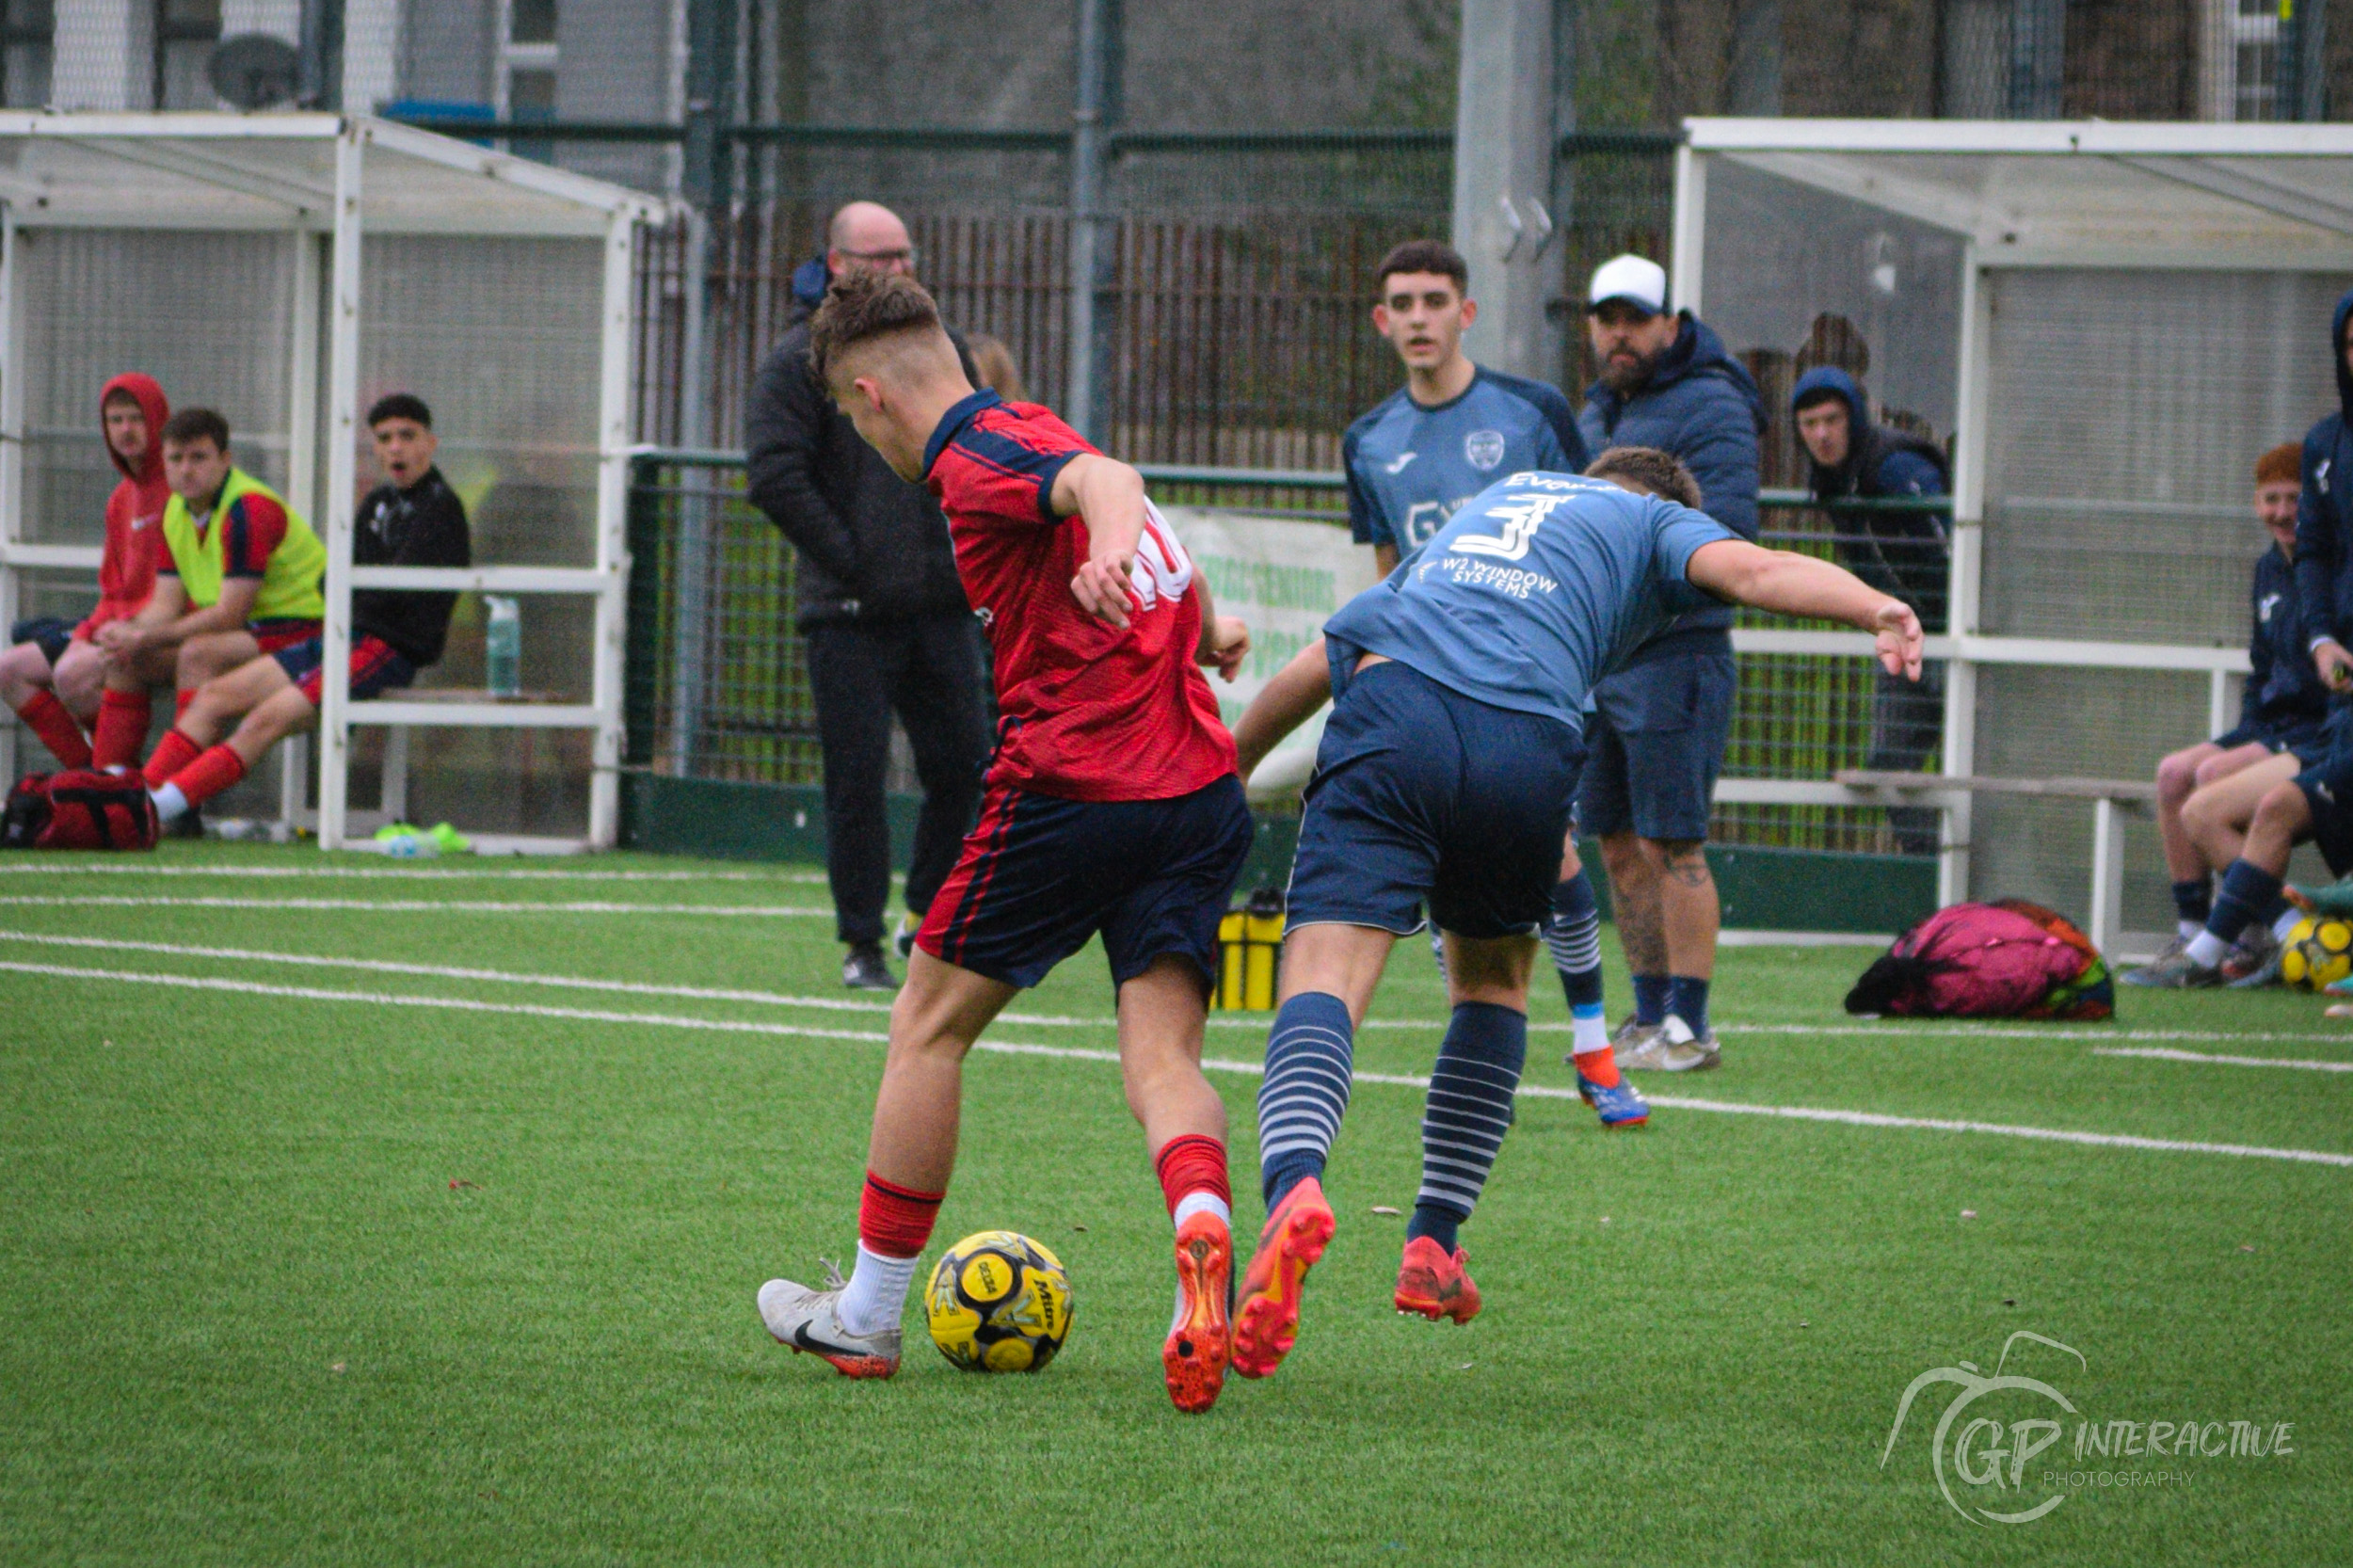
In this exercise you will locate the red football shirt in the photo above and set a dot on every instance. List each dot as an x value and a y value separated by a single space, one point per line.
1086 710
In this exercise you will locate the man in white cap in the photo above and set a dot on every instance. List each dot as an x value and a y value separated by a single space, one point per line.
1657 734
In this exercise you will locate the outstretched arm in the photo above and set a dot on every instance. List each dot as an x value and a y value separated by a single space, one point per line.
1110 495
1285 703
1788 583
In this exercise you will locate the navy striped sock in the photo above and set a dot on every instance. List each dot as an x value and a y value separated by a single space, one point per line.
1309 1055
1470 1108
2248 891
1574 939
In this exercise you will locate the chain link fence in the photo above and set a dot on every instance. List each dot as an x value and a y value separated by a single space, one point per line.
1235 266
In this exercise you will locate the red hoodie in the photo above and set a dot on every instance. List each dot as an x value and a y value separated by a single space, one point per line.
134 513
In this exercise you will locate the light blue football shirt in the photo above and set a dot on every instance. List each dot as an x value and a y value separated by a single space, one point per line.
1409 466
1538 587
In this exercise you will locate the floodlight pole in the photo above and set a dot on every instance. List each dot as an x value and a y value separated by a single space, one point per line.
1087 399
343 457
612 564
1505 139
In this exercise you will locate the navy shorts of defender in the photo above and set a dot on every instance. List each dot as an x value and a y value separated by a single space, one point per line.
1422 794
1039 875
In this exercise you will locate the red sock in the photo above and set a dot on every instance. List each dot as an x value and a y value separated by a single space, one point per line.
893 1222
180 701
172 753
1600 1065
51 721
121 730
209 773
1192 1163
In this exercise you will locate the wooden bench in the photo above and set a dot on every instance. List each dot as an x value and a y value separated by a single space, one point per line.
2111 800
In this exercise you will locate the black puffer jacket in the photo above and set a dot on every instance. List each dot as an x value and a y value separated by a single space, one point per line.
871 547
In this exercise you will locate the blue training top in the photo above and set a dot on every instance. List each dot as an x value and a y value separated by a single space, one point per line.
1409 466
1539 587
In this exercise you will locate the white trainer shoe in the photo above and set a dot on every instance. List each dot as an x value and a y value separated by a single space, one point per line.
801 1320
1634 1046
1678 1049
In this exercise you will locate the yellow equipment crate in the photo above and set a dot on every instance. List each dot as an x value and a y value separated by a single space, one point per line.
1250 955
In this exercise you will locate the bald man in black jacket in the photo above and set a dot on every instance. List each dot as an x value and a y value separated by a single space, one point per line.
880 608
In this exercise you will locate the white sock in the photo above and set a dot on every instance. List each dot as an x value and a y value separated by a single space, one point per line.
169 802
1203 1201
2286 922
1593 1031
2186 929
878 1294
2206 950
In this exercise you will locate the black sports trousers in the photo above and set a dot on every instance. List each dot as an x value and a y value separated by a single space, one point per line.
930 670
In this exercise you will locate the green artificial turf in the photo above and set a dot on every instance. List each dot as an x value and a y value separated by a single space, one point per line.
286 1279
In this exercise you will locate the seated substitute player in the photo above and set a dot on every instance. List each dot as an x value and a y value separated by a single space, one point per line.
1446 773
1111 807
239 578
2280 729
412 520
54 685
2315 805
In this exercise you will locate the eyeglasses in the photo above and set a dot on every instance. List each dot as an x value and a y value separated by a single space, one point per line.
905 257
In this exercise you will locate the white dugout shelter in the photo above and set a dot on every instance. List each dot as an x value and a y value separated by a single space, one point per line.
2111 321
287 270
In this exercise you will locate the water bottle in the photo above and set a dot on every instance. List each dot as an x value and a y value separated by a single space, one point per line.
503 646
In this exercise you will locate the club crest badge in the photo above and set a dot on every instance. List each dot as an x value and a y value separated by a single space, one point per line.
1484 449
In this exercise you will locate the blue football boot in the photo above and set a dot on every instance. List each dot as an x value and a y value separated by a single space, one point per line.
1620 1107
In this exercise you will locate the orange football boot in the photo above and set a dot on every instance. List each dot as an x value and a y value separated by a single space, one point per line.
1435 1282
1294 1238
1200 1343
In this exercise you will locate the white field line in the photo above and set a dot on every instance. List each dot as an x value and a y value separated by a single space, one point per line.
486 872
452 971
415 906
2163 1055
2062 1033
1006 1047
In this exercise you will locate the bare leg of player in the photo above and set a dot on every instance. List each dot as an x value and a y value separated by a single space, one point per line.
1161 1020
186 771
30 688
854 1324
2217 816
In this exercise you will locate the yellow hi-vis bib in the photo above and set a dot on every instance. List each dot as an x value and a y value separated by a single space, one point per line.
290 580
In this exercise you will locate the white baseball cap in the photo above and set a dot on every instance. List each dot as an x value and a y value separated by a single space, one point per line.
1638 281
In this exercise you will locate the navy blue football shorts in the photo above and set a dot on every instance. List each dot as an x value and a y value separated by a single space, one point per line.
2328 788
2309 741
1655 742
52 635
1422 793
1040 874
